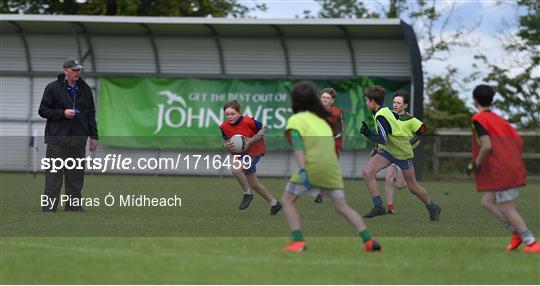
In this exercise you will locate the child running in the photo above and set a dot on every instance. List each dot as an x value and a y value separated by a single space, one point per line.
328 97
415 129
499 169
311 137
254 131
395 147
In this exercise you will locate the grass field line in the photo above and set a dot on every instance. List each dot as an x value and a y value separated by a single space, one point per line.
361 261
4 238
212 256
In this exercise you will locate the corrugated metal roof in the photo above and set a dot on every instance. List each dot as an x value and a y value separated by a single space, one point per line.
183 26
194 20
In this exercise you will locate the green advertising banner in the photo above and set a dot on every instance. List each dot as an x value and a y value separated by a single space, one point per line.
185 114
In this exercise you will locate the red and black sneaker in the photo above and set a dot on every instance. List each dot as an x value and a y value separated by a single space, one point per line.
372 245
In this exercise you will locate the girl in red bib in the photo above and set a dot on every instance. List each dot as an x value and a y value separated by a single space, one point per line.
253 130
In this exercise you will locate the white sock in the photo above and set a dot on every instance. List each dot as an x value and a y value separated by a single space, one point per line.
248 192
527 237
273 202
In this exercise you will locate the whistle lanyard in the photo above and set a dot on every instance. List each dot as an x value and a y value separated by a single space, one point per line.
68 92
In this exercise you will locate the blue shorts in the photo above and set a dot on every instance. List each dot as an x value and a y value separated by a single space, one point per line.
253 167
402 164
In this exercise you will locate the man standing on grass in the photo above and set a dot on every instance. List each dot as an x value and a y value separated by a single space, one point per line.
68 106
499 169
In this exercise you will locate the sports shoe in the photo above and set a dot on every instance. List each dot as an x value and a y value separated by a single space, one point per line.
532 248
375 211
295 246
275 209
390 211
435 215
246 200
372 245
514 242
318 199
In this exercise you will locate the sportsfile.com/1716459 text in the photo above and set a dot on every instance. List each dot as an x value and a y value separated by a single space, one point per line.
112 162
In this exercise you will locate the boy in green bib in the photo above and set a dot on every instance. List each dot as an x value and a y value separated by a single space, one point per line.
415 130
394 148
311 136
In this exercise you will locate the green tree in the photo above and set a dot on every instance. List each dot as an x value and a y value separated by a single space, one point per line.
520 91
422 14
195 8
445 109
344 9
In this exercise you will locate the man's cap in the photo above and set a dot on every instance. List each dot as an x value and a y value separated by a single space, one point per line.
73 63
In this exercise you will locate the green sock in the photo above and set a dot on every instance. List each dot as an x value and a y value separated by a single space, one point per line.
297 235
365 235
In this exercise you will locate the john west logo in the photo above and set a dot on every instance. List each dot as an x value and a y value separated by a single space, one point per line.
176 114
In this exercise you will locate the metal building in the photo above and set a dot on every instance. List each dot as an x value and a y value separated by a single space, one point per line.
32 48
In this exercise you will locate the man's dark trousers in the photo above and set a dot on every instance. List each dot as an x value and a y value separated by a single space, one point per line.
73 178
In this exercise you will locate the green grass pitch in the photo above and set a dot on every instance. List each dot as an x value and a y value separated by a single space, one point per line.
209 241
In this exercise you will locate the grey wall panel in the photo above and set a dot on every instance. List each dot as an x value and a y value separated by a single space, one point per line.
188 55
85 51
12 129
37 152
319 57
14 148
37 94
347 164
12 53
123 54
254 56
38 129
382 58
14 97
47 52
362 158
93 83
276 164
